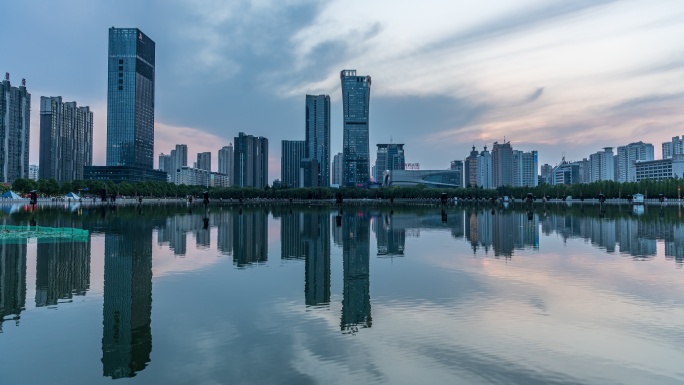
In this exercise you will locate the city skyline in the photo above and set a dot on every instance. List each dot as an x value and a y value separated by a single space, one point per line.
519 70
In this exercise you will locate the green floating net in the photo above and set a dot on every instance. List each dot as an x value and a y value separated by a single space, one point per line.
9 233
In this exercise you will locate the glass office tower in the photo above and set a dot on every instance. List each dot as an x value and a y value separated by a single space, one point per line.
355 105
130 99
318 135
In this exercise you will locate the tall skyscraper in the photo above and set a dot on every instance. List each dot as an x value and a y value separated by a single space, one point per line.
502 164
66 139
471 168
337 169
251 161
15 123
627 156
355 106
204 161
130 99
290 162
225 162
390 156
318 135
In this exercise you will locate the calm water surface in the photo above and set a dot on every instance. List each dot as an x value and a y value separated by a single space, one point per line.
280 295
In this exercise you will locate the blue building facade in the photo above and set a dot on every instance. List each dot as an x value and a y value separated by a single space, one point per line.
130 99
318 135
355 148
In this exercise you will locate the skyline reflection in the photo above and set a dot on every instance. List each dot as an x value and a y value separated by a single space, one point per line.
306 241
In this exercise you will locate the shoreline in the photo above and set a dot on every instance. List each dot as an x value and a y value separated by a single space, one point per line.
47 202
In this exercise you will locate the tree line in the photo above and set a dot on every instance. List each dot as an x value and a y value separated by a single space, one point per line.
670 188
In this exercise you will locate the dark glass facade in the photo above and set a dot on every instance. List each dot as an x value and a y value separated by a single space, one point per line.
355 105
130 99
318 136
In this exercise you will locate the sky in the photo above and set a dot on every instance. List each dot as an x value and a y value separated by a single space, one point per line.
563 77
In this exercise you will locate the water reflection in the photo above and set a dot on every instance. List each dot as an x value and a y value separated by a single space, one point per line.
62 271
127 335
12 279
356 307
250 236
306 236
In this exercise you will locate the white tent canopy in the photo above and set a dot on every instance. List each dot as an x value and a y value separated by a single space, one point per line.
11 195
72 196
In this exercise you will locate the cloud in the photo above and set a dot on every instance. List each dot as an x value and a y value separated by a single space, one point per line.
535 95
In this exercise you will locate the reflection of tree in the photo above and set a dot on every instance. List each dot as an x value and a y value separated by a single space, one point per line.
356 307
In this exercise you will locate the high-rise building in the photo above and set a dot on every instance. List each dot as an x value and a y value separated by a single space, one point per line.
290 162
389 157
627 156
34 171
525 166
602 165
546 174
225 162
484 169
66 139
470 165
502 164
673 147
337 169
165 163
318 135
355 106
250 163
130 99
566 173
179 159
15 123
204 161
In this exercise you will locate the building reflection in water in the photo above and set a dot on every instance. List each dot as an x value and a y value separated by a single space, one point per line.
12 280
62 270
503 231
356 307
175 232
316 247
305 236
250 237
224 223
391 240
127 334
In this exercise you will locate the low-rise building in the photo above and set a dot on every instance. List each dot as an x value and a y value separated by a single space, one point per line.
660 169
429 178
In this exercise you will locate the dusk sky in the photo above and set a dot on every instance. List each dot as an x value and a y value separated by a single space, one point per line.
554 76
